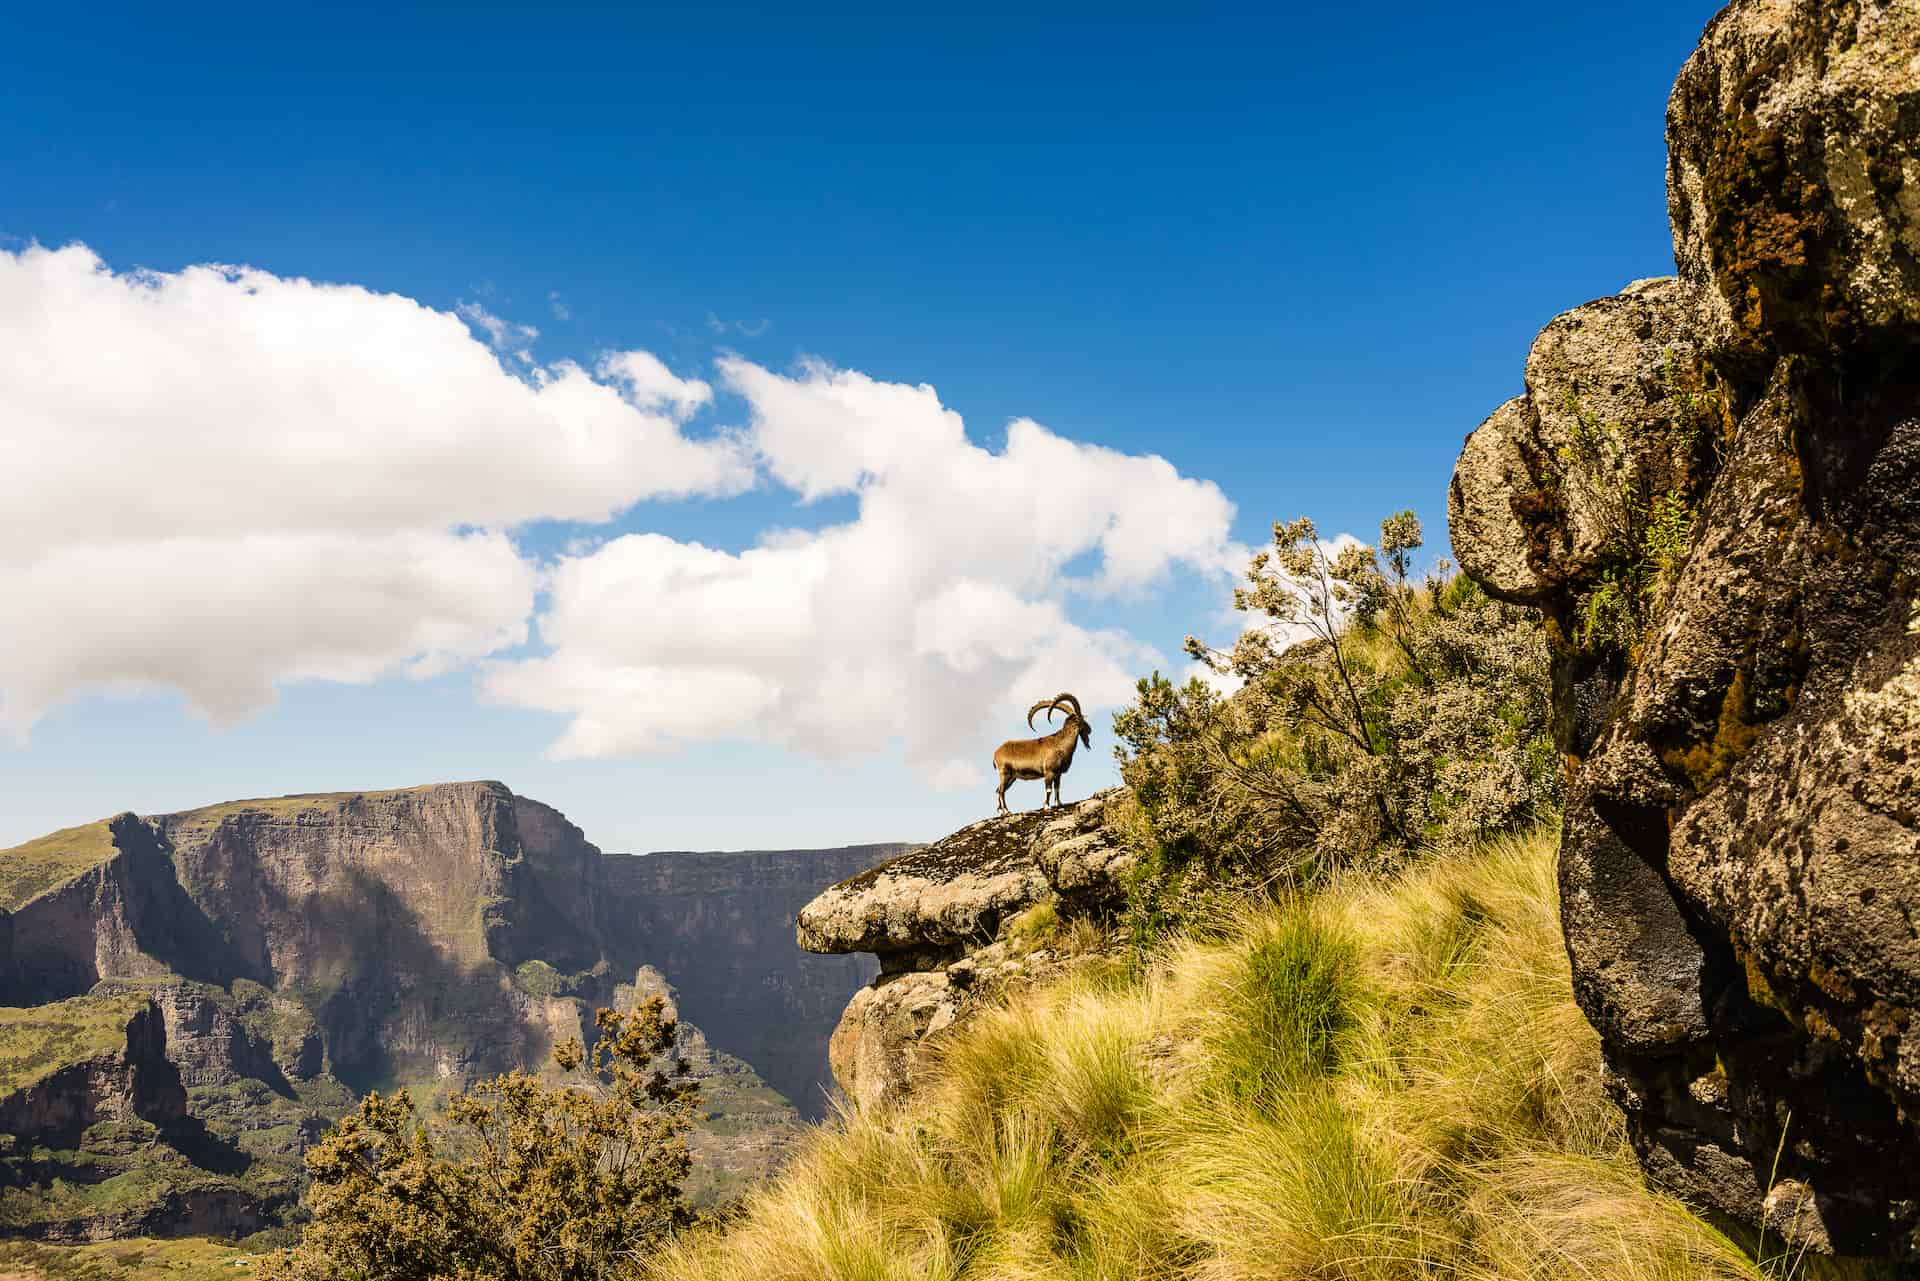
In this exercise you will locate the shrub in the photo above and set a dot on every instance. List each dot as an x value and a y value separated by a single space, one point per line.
522 1178
1373 716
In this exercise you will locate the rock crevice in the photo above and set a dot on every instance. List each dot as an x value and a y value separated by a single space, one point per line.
1709 487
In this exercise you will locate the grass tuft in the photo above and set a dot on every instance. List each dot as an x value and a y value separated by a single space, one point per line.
1386 1080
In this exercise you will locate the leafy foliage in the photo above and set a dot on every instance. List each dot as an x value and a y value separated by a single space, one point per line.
1643 514
1373 716
522 1178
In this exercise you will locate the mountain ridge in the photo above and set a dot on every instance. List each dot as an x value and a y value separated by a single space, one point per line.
300 950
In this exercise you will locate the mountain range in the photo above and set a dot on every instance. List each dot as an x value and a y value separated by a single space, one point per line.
187 1000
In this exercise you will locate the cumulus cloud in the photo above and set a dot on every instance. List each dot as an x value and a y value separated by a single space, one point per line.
221 479
502 335
940 612
228 619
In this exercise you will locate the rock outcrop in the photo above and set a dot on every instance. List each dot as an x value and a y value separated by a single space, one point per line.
97 1136
1711 487
721 925
939 920
71 1065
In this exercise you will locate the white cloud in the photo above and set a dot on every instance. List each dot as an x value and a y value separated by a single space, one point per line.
228 619
746 329
219 479
502 335
650 385
932 620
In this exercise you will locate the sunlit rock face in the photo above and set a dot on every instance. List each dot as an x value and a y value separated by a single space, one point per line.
292 952
1711 487
940 917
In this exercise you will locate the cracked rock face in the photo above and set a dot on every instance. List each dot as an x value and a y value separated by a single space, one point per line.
937 918
936 898
1711 487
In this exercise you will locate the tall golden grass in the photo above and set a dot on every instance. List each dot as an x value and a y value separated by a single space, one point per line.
1384 1080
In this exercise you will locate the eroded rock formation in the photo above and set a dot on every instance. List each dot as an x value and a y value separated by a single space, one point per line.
1711 487
291 952
721 925
938 918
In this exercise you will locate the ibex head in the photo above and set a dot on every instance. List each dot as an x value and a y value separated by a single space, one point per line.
1071 706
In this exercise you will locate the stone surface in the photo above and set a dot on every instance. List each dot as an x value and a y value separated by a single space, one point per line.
120 1073
936 898
1084 866
721 925
1792 184
1738 875
939 920
1609 418
877 1044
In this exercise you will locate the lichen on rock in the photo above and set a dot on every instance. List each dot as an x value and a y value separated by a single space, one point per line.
1742 835
941 919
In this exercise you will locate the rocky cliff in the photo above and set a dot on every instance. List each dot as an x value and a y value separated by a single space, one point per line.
1711 487
97 1136
295 951
721 925
945 922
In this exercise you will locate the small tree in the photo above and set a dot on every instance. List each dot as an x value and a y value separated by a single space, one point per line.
1374 715
523 1178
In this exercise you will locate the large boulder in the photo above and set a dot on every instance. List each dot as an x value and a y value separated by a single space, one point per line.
1791 178
939 919
934 899
1712 488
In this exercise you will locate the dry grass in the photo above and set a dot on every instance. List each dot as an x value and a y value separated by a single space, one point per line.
51 860
1382 1081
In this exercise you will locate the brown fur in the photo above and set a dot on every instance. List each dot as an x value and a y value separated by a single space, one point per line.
1046 757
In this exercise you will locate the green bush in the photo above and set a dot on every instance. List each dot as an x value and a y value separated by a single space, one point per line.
523 1179
1372 717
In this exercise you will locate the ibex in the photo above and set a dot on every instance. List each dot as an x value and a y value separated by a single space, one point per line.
1046 757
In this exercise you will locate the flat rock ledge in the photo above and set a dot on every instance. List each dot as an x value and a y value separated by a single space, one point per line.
937 919
954 891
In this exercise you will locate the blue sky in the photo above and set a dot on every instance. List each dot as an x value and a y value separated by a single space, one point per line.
1297 254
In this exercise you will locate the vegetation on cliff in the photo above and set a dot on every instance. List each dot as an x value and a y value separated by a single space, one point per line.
1374 717
39 1040
1386 1078
522 1178
1344 1042
50 860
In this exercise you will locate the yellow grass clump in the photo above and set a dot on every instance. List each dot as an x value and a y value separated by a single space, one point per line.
1385 1080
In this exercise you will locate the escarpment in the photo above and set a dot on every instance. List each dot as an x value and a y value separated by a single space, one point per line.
289 953
1711 487
945 921
721 925
71 1065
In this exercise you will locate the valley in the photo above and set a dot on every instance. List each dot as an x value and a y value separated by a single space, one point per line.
187 1000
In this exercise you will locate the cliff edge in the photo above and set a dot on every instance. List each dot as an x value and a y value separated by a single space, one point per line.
945 920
